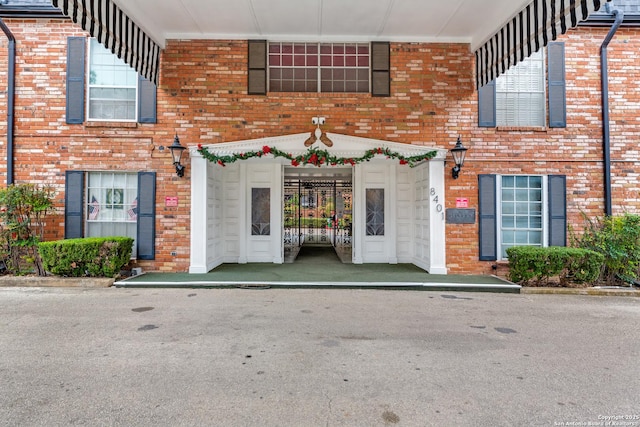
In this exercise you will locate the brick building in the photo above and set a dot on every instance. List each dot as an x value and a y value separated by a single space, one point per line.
540 151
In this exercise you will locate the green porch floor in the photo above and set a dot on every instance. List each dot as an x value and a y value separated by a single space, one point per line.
317 267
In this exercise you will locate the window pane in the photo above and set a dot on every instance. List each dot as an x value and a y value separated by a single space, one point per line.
375 211
535 222
522 208
522 182
535 181
508 208
260 211
508 195
508 237
522 237
535 238
508 221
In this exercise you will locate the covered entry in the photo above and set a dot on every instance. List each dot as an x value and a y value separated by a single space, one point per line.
318 210
377 209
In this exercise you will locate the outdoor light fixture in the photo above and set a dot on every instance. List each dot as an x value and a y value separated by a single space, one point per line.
458 152
176 154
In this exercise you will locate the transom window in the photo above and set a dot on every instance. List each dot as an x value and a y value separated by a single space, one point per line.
324 67
113 85
520 94
521 212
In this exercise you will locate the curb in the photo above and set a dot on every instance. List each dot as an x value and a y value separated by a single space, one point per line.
616 292
56 282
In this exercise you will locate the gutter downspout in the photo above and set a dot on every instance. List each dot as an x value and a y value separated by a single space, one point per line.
606 141
11 89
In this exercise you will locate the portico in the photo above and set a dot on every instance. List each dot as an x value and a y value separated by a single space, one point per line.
237 210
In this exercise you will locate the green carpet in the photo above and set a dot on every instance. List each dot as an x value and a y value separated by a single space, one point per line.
315 264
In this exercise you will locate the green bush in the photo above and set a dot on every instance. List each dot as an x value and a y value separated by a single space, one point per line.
93 256
23 210
530 265
618 240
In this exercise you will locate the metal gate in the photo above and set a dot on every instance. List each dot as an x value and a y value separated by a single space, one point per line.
317 212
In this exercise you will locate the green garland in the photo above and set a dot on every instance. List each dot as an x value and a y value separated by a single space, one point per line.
316 157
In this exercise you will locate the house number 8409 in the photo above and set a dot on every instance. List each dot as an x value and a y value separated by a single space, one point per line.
435 198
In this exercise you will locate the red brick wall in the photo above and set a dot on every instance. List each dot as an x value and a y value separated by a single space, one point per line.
202 97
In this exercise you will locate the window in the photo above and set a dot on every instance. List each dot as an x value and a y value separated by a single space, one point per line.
107 89
260 211
112 86
520 210
112 205
374 201
108 203
325 67
530 94
520 94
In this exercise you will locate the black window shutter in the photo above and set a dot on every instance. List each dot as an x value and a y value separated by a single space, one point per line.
487 217
257 67
557 85
146 100
557 210
146 236
73 204
75 79
380 69
487 105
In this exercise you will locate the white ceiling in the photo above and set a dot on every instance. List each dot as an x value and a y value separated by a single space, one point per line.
463 21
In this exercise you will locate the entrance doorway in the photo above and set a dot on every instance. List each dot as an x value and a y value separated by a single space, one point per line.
318 213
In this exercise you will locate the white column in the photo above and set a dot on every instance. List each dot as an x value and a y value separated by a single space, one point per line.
277 242
390 213
358 219
199 198
437 235
245 216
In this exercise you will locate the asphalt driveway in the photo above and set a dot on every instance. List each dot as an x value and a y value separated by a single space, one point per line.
315 357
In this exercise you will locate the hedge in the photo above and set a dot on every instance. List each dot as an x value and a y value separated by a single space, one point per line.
92 256
531 265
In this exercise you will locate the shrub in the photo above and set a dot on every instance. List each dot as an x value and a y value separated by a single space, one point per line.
529 265
618 240
93 256
23 208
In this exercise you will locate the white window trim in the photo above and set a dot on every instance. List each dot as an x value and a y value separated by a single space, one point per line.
88 87
545 95
545 211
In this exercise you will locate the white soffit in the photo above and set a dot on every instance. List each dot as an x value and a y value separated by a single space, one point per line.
461 21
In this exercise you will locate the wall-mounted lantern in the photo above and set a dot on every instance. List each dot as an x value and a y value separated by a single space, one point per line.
458 152
176 155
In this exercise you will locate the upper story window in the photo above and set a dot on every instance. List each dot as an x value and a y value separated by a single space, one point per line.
319 67
530 94
520 94
113 86
101 87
